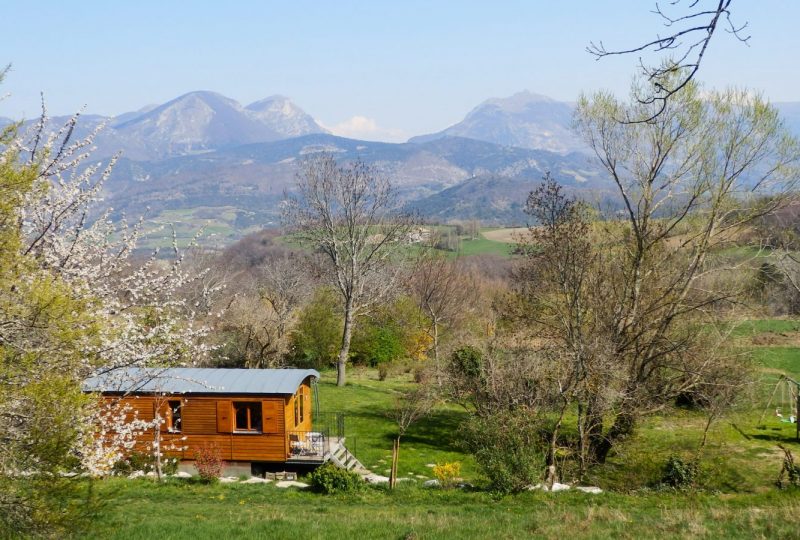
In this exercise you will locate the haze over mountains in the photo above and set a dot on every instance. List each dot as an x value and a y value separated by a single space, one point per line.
203 154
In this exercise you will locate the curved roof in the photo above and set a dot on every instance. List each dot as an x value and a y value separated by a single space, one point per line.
199 381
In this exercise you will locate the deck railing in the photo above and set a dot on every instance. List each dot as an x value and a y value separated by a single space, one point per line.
308 445
316 444
331 423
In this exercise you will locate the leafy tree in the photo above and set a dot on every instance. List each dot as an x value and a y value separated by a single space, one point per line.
689 181
315 337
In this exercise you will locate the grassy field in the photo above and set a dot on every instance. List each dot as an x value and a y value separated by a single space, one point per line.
142 510
735 496
489 242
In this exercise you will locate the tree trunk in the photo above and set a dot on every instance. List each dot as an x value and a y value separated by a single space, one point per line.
157 450
622 427
551 473
344 352
436 352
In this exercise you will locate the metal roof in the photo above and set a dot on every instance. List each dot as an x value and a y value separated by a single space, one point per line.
199 381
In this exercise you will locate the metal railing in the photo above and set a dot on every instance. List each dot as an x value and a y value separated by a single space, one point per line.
308 445
330 423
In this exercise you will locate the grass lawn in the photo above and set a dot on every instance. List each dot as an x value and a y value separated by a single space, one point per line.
143 510
366 400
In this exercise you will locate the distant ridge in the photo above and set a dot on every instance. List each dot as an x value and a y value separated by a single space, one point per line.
525 120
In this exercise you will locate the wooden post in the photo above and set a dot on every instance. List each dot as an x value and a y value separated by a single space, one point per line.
797 412
393 471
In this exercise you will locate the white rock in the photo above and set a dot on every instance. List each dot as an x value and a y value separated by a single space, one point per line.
536 487
559 487
373 478
589 489
136 474
431 465
228 479
182 474
257 480
430 483
291 483
151 474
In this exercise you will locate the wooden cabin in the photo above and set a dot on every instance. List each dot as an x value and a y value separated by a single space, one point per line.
254 416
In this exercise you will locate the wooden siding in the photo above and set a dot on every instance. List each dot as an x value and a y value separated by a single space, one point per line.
209 420
292 423
201 418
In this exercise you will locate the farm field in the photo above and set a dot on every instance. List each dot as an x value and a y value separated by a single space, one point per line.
507 235
735 496
499 242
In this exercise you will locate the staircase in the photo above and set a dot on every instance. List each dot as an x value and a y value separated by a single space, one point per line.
341 457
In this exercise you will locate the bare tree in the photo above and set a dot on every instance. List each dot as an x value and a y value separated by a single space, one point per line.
284 283
442 289
346 214
685 45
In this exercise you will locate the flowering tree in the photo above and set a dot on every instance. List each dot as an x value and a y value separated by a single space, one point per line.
73 303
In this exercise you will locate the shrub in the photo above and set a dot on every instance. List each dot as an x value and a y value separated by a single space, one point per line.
383 371
208 462
467 362
679 474
790 470
447 474
141 461
330 479
508 449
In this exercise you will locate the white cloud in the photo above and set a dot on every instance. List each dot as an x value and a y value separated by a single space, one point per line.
361 127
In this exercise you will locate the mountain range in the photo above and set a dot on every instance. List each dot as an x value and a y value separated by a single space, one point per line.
194 123
251 179
203 155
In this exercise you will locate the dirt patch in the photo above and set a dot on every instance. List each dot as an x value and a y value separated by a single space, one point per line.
510 235
776 339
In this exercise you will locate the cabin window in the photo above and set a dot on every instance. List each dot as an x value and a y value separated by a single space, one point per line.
174 416
248 416
299 407
302 405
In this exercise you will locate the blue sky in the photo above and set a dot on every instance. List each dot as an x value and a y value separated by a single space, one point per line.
376 69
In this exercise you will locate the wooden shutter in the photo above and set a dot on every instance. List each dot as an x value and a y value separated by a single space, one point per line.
270 417
164 412
224 417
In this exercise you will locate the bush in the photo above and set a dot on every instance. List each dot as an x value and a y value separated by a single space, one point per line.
467 362
383 371
448 474
330 479
679 474
208 462
141 461
508 449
